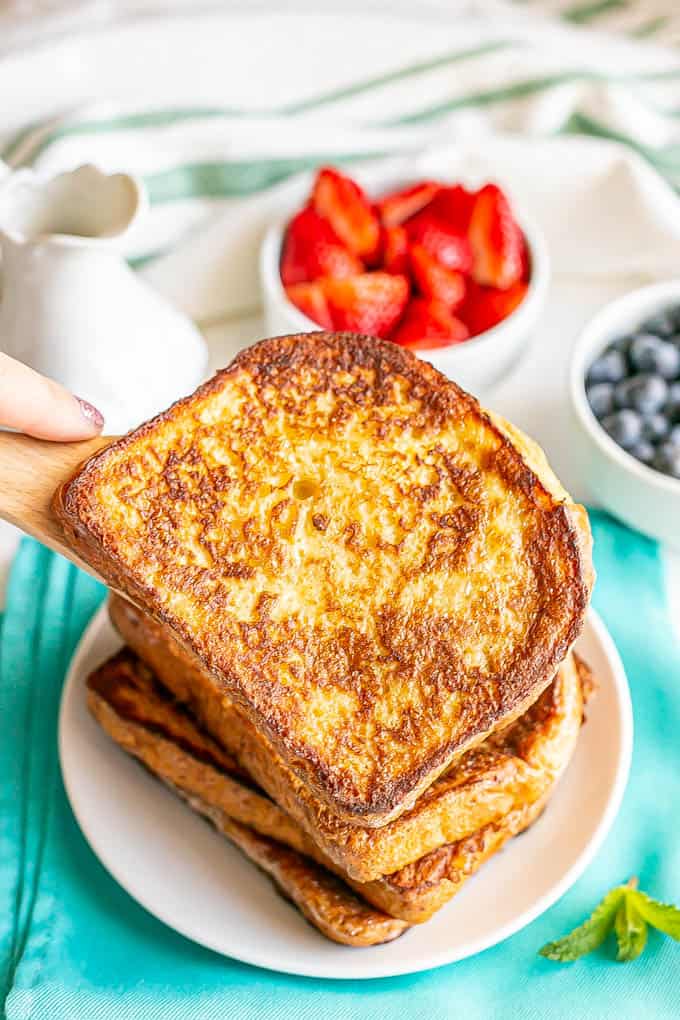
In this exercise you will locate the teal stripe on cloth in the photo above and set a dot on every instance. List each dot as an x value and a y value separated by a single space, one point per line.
76 947
400 74
205 175
527 87
497 94
168 118
665 159
236 178
48 604
110 125
581 13
649 28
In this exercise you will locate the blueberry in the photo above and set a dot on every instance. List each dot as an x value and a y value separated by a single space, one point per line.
675 340
674 315
667 459
655 427
642 450
601 399
672 406
661 324
674 435
644 393
621 344
625 427
650 354
609 367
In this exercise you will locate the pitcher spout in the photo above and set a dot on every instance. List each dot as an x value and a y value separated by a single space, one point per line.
83 206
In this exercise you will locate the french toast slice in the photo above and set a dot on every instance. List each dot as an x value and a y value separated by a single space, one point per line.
482 786
419 890
376 570
324 900
327 902
132 707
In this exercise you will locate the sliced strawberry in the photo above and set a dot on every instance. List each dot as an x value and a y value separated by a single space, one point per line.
311 300
394 249
312 249
526 261
453 205
371 303
485 307
436 281
399 206
427 324
444 243
496 240
342 202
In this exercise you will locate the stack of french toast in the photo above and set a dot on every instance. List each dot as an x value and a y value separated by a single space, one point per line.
348 598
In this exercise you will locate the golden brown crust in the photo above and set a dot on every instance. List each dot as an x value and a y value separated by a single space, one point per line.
548 740
419 890
325 901
436 603
169 749
133 709
412 895
128 684
258 826
481 787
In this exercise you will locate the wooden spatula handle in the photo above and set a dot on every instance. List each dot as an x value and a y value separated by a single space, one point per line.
30 472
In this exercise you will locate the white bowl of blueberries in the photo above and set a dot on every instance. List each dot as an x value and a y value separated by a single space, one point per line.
625 392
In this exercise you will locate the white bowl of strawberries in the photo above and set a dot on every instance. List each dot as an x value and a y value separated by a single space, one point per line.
454 274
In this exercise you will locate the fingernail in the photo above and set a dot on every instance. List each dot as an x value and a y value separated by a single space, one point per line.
90 412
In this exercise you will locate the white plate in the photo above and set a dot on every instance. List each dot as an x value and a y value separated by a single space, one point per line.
191 878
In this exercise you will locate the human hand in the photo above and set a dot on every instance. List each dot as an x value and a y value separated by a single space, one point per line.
40 407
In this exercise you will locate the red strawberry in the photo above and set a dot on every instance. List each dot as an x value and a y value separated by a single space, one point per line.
454 206
485 307
311 300
342 202
371 303
394 245
526 261
496 239
445 244
436 281
312 249
399 206
427 324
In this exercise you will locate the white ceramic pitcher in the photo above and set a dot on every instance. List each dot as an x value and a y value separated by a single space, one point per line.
73 309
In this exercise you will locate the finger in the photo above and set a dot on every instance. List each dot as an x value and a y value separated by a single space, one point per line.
31 403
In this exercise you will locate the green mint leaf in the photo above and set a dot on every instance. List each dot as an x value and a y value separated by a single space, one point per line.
589 935
662 916
631 929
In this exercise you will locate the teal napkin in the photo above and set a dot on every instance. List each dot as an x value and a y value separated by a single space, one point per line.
74 946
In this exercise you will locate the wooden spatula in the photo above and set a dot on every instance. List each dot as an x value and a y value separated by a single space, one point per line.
30 472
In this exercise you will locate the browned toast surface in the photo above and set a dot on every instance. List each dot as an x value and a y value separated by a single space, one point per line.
419 890
129 704
377 571
324 900
482 786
